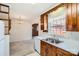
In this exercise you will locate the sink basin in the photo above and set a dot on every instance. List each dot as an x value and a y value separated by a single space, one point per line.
52 40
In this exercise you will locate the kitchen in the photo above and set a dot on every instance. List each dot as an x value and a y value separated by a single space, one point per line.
55 33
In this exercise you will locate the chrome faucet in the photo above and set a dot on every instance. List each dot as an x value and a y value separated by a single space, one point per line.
54 36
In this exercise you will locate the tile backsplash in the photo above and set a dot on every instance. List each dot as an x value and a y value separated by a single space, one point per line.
75 35
69 35
72 35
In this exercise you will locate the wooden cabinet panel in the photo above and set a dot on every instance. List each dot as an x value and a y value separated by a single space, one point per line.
74 17
69 17
77 16
47 49
44 22
61 52
51 51
72 22
43 48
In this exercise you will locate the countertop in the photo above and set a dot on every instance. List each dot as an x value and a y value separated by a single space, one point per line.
70 45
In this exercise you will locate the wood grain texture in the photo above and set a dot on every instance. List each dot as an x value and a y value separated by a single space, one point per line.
51 50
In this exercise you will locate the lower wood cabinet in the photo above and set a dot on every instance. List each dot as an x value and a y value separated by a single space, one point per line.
50 50
43 48
61 52
47 49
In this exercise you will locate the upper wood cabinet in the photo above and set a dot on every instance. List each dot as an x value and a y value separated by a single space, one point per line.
44 22
72 20
77 17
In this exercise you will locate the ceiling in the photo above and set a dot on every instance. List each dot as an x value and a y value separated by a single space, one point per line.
29 11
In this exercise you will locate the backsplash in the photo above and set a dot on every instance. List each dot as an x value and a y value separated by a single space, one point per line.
74 35
71 35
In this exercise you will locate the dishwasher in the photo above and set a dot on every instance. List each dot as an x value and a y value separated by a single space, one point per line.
37 44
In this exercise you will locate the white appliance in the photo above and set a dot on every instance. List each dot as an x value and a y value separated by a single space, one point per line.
3 45
37 44
37 41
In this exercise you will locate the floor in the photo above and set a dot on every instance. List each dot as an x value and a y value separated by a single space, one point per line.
33 54
23 48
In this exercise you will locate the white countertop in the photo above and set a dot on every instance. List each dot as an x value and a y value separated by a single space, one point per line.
68 44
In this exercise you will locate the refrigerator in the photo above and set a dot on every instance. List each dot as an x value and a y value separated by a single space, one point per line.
2 39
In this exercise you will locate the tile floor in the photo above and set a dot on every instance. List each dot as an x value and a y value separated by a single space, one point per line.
23 48
33 54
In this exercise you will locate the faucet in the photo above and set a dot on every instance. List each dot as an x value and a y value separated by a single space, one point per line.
54 36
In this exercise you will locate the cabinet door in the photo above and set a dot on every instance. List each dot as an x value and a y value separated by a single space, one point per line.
69 17
71 22
46 22
43 49
77 16
74 17
51 50
61 52
47 49
42 22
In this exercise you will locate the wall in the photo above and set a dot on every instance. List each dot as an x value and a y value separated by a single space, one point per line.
21 30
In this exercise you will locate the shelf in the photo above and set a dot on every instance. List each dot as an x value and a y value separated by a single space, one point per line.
4 19
4 12
4 5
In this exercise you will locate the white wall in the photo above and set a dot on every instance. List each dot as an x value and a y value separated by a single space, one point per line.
21 31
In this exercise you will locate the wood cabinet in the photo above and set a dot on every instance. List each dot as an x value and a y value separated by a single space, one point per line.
44 22
47 49
51 50
69 18
34 29
43 48
61 52
77 16
72 21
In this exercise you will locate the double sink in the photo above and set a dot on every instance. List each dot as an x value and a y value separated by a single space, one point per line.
52 40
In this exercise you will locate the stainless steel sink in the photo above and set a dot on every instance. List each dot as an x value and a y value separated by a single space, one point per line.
52 40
